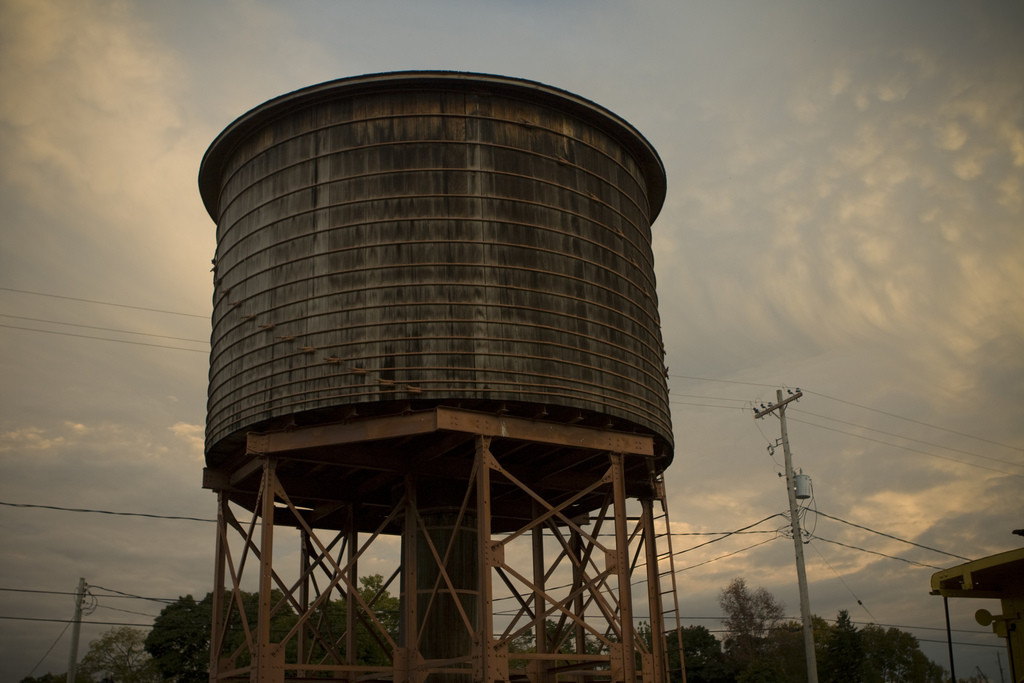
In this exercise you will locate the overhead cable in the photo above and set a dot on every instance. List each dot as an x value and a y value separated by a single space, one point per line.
923 424
730 533
109 339
106 512
863 407
102 329
907 438
49 650
83 621
842 581
875 552
908 448
722 557
725 381
104 303
895 538
129 595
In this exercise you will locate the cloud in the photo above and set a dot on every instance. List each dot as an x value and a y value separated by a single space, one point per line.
99 122
858 253
844 212
1011 193
29 439
193 435
1014 138
93 61
950 135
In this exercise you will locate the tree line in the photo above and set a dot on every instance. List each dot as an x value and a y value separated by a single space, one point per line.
759 645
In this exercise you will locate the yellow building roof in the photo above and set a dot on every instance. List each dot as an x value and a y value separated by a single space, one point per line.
995 576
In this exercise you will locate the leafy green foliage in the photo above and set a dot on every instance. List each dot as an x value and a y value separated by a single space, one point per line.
179 642
46 678
843 656
119 655
750 615
704 659
893 655
760 647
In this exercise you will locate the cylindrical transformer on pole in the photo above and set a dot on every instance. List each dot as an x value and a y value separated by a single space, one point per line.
802 484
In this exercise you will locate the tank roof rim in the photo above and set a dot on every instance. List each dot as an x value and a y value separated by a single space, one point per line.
223 145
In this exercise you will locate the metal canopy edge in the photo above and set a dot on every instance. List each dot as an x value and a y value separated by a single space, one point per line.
960 581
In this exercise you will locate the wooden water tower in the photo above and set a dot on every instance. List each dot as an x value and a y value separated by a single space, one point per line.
435 326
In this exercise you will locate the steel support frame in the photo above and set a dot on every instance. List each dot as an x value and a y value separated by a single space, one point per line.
581 592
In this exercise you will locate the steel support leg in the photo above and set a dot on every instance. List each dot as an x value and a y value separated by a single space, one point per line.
217 625
628 646
539 667
407 658
268 669
484 655
654 592
352 546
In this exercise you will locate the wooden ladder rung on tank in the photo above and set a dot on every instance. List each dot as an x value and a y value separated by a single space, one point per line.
671 618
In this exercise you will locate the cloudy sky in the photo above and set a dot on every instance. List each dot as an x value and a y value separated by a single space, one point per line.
845 214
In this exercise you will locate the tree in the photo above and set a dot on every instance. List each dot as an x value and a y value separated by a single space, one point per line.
46 678
893 655
785 650
843 655
749 618
702 656
119 655
369 647
179 641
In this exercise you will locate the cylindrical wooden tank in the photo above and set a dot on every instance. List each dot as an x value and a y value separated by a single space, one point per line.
405 240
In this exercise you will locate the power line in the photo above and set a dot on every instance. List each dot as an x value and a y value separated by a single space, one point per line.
895 538
126 611
102 329
119 594
109 339
875 552
49 650
859 623
846 585
70 621
104 303
729 533
907 438
107 512
129 595
722 557
921 628
857 405
29 590
715 398
743 402
957 642
715 533
919 422
704 405
908 448
724 381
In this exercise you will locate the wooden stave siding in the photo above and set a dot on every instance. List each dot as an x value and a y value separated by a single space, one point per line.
299 204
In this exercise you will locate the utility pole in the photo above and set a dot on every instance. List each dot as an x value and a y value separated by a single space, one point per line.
794 517
76 626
